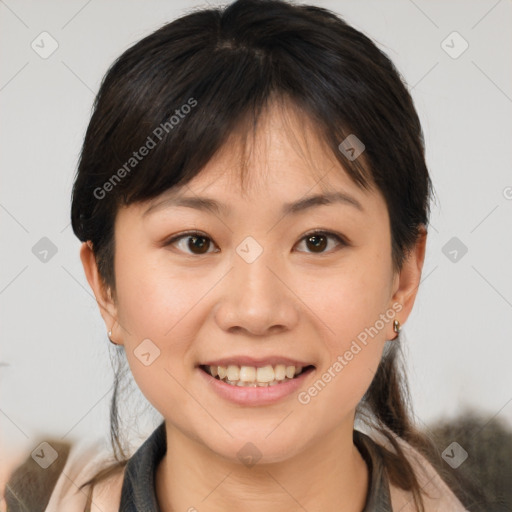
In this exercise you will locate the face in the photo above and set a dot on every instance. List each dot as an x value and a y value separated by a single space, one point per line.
257 283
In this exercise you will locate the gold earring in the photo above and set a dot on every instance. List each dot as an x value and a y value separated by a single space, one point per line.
109 337
396 326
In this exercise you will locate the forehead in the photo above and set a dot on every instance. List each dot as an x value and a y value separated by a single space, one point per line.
265 167
284 149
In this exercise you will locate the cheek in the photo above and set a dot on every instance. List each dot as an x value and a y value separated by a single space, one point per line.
350 308
154 308
351 298
154 297
354 348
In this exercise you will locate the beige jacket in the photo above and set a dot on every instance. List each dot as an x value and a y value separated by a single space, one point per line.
85 459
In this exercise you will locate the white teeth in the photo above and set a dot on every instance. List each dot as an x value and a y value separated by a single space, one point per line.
280 371
290 371
233 372
246 384
251 376
265 374
247 373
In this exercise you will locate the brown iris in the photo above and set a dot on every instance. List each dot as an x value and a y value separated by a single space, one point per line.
319 242
201 243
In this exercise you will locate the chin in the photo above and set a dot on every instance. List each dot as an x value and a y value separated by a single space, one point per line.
248 450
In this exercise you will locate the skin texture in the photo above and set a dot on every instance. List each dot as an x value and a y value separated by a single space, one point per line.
293 300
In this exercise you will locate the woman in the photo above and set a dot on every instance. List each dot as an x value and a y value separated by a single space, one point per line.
253 201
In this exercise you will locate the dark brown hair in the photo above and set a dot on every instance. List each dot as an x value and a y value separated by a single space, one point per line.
209 74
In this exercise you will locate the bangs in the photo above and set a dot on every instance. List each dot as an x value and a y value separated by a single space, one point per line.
168 117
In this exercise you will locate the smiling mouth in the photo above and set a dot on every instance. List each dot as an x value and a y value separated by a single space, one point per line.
250 376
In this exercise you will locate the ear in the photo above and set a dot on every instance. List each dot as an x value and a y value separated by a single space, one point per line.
406 283
108 307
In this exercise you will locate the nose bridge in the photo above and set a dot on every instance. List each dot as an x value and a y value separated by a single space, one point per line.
256 300
251 271
255 281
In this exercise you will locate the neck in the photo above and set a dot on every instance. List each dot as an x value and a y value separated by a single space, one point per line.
330 475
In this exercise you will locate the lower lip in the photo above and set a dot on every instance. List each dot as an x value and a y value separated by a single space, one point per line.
253 396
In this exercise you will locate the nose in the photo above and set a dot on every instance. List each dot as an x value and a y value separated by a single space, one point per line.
256 299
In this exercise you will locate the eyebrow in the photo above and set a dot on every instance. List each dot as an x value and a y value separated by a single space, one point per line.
207 204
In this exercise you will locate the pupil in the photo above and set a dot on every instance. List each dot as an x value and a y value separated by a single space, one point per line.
320 241
198 242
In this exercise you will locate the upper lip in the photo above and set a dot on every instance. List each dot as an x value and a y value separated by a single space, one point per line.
254 361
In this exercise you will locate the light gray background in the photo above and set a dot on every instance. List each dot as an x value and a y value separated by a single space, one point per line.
459 337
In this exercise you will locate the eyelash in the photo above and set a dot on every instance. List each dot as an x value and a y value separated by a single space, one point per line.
329 234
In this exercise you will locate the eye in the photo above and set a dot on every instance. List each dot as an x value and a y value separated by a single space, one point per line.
318 241
196 242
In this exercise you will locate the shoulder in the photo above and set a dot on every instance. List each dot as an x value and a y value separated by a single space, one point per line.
56 486
437 496
83 462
